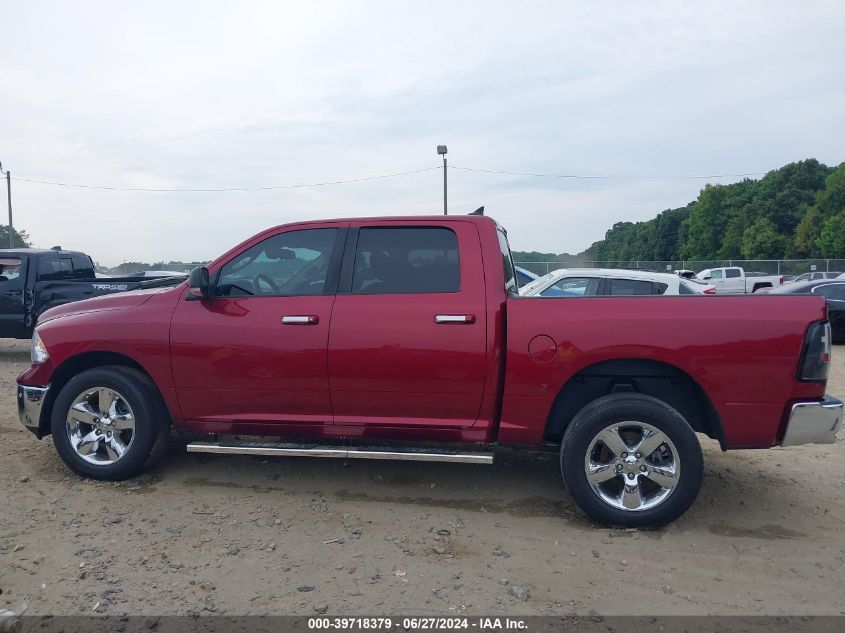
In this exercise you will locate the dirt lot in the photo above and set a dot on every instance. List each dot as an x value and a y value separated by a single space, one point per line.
231 535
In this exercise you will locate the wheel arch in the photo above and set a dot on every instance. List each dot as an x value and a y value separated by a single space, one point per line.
78 363
658 379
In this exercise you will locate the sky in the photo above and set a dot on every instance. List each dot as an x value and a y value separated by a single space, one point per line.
204 95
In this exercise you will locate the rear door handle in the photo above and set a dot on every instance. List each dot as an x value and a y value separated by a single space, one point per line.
304 319
454 319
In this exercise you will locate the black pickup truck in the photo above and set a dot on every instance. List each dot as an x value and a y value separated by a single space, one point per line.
34 280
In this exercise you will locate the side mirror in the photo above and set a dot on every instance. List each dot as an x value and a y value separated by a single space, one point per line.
706 277
198 283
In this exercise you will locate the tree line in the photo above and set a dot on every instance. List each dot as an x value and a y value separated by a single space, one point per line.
795 212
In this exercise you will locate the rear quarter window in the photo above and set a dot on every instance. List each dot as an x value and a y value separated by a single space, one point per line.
630 287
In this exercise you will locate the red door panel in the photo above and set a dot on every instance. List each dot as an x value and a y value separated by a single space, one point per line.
234 360
257 351
392 364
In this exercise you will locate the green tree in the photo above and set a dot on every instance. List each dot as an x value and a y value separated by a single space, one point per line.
780 215
831 199
732 239
784 195
667 233
831 240
761 240
706 223
805 243
20 239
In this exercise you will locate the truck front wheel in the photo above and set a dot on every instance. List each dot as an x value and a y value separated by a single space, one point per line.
109 423
631 460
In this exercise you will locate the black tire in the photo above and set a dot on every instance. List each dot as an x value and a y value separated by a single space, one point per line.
622 407
152 422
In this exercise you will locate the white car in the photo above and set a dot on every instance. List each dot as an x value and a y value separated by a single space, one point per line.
600 282
735 280
815 276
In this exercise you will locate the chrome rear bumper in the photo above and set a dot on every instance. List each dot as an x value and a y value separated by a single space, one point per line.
30 402
814 422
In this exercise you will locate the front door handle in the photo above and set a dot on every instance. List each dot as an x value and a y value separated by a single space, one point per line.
305 319
454 319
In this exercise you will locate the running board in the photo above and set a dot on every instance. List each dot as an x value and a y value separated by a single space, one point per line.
342 452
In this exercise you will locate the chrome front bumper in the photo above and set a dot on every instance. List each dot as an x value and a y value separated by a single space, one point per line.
814 422
30 402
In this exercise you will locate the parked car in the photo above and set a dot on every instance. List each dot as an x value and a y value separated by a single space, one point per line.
833 291
404 338
34 280
734 280
686 274
815 275
524 276
592 282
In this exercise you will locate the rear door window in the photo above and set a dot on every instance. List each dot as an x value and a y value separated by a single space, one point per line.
55 268
406 260
732 273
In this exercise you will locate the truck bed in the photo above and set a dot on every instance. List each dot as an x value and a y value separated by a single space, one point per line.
741 351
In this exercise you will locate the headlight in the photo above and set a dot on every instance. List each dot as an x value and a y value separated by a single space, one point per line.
38 351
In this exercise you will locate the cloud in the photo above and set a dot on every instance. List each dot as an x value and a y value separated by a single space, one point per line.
213 94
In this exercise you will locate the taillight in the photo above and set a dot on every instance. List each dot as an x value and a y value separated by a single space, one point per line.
815 355
710 291
780 281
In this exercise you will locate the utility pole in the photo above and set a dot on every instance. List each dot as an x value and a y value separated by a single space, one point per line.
441 150
9 199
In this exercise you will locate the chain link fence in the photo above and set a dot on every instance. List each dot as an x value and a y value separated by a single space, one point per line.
768 266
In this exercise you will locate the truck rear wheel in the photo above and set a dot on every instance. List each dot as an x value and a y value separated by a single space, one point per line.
109 423
631 460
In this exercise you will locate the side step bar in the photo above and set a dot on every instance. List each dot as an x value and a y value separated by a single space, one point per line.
342 452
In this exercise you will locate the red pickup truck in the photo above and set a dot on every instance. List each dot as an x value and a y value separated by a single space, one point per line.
405 338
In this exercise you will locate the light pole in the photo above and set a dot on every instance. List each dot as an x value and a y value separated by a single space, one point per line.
9 199
441 150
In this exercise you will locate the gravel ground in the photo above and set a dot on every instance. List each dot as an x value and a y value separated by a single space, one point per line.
235 535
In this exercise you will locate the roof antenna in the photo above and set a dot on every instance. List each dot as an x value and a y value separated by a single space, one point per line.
478 211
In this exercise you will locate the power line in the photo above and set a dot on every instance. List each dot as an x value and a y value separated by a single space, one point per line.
380 177
223 189
582 177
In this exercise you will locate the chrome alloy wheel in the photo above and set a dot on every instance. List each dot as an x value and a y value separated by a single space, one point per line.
632 466
100 426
